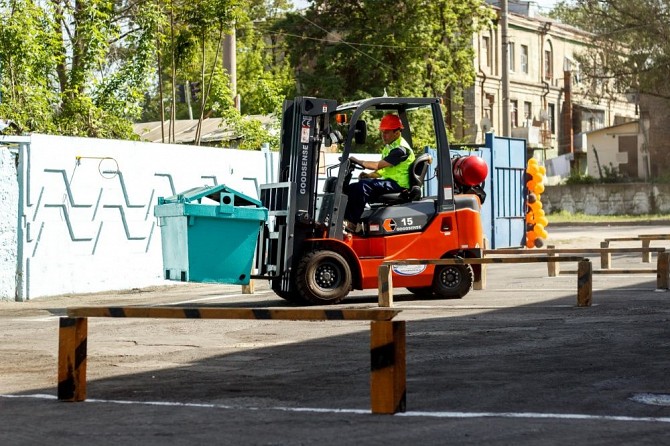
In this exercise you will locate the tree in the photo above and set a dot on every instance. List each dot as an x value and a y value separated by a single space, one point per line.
265 77
350 48
631 38
75 68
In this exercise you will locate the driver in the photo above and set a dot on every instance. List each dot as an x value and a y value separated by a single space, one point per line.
390 174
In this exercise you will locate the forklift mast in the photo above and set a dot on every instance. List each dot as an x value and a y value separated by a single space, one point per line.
292 202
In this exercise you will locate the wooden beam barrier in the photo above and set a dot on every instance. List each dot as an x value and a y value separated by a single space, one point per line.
584 287
662 271
644 238
387 343
604 252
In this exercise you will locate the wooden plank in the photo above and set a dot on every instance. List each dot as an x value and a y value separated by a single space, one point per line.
584 283
654 237
483 260
615 271
72 346
385 284
301 314
605 257
663 271
387 367
622 239
593 251
553 268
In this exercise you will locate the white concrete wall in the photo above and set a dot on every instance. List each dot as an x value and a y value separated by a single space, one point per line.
9 193
86 209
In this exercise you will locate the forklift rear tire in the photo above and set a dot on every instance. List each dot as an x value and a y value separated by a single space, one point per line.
452 281
323 277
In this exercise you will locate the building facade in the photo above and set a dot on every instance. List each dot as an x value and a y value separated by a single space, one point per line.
551 103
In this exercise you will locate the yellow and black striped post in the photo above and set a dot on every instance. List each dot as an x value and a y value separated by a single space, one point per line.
72 334
387 360
663 271
584 283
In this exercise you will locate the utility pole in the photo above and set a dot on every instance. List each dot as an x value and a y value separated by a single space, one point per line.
230 64
506 130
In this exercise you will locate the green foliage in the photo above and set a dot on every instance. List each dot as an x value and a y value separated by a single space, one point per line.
351 49
578 178
251 131
75 68
265 77
629 36
609 174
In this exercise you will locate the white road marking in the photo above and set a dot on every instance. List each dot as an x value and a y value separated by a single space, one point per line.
221 296
525 415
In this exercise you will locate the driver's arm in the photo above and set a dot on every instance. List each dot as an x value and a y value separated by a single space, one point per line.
372 165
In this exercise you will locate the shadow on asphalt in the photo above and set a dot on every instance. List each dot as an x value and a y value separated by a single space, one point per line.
550 357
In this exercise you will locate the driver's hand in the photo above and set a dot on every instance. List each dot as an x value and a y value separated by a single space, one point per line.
364 175
355 160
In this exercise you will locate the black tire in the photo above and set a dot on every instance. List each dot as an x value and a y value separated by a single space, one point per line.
292 296
452 281
323 277
424 291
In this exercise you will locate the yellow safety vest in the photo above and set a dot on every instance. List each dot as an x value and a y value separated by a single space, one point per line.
400 172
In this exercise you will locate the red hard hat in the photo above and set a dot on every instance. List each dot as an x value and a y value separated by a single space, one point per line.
470 170
390 122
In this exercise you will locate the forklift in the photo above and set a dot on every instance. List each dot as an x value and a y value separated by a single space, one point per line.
304 249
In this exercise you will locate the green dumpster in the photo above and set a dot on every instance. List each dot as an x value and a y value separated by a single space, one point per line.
209 234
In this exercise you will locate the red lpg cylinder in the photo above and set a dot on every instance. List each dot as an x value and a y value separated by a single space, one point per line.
470 170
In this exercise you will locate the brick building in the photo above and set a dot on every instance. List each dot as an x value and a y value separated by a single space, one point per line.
551 101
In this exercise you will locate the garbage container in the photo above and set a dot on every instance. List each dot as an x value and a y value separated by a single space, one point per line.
209 234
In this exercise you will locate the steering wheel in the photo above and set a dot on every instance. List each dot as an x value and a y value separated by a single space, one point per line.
353 165
356 165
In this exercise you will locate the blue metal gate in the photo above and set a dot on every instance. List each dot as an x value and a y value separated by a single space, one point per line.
504 210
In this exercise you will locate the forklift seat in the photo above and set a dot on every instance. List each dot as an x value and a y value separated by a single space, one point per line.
417 174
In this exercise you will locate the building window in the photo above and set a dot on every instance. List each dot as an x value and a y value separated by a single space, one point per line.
527 110
552 118
512 58
548 65
514 113
523 59
486 51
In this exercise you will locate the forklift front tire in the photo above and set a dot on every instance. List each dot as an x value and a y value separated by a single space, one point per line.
452 281
323 277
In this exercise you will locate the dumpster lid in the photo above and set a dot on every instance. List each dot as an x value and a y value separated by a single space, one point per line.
213 193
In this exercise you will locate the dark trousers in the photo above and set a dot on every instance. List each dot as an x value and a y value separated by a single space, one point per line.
366 191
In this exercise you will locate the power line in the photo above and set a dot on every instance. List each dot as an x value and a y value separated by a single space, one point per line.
348 44
279 33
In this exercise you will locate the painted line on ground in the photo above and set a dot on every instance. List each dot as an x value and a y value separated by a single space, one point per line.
220 296
425 414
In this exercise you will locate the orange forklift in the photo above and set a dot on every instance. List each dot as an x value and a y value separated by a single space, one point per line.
304 249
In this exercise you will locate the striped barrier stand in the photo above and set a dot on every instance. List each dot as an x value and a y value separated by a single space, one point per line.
387 343
584 281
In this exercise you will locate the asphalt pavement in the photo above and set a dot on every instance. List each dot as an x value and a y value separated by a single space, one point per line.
516 363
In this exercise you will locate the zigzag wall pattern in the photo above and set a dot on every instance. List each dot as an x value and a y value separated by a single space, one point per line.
77 233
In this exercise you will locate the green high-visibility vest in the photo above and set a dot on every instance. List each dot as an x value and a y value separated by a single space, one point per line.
400 172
